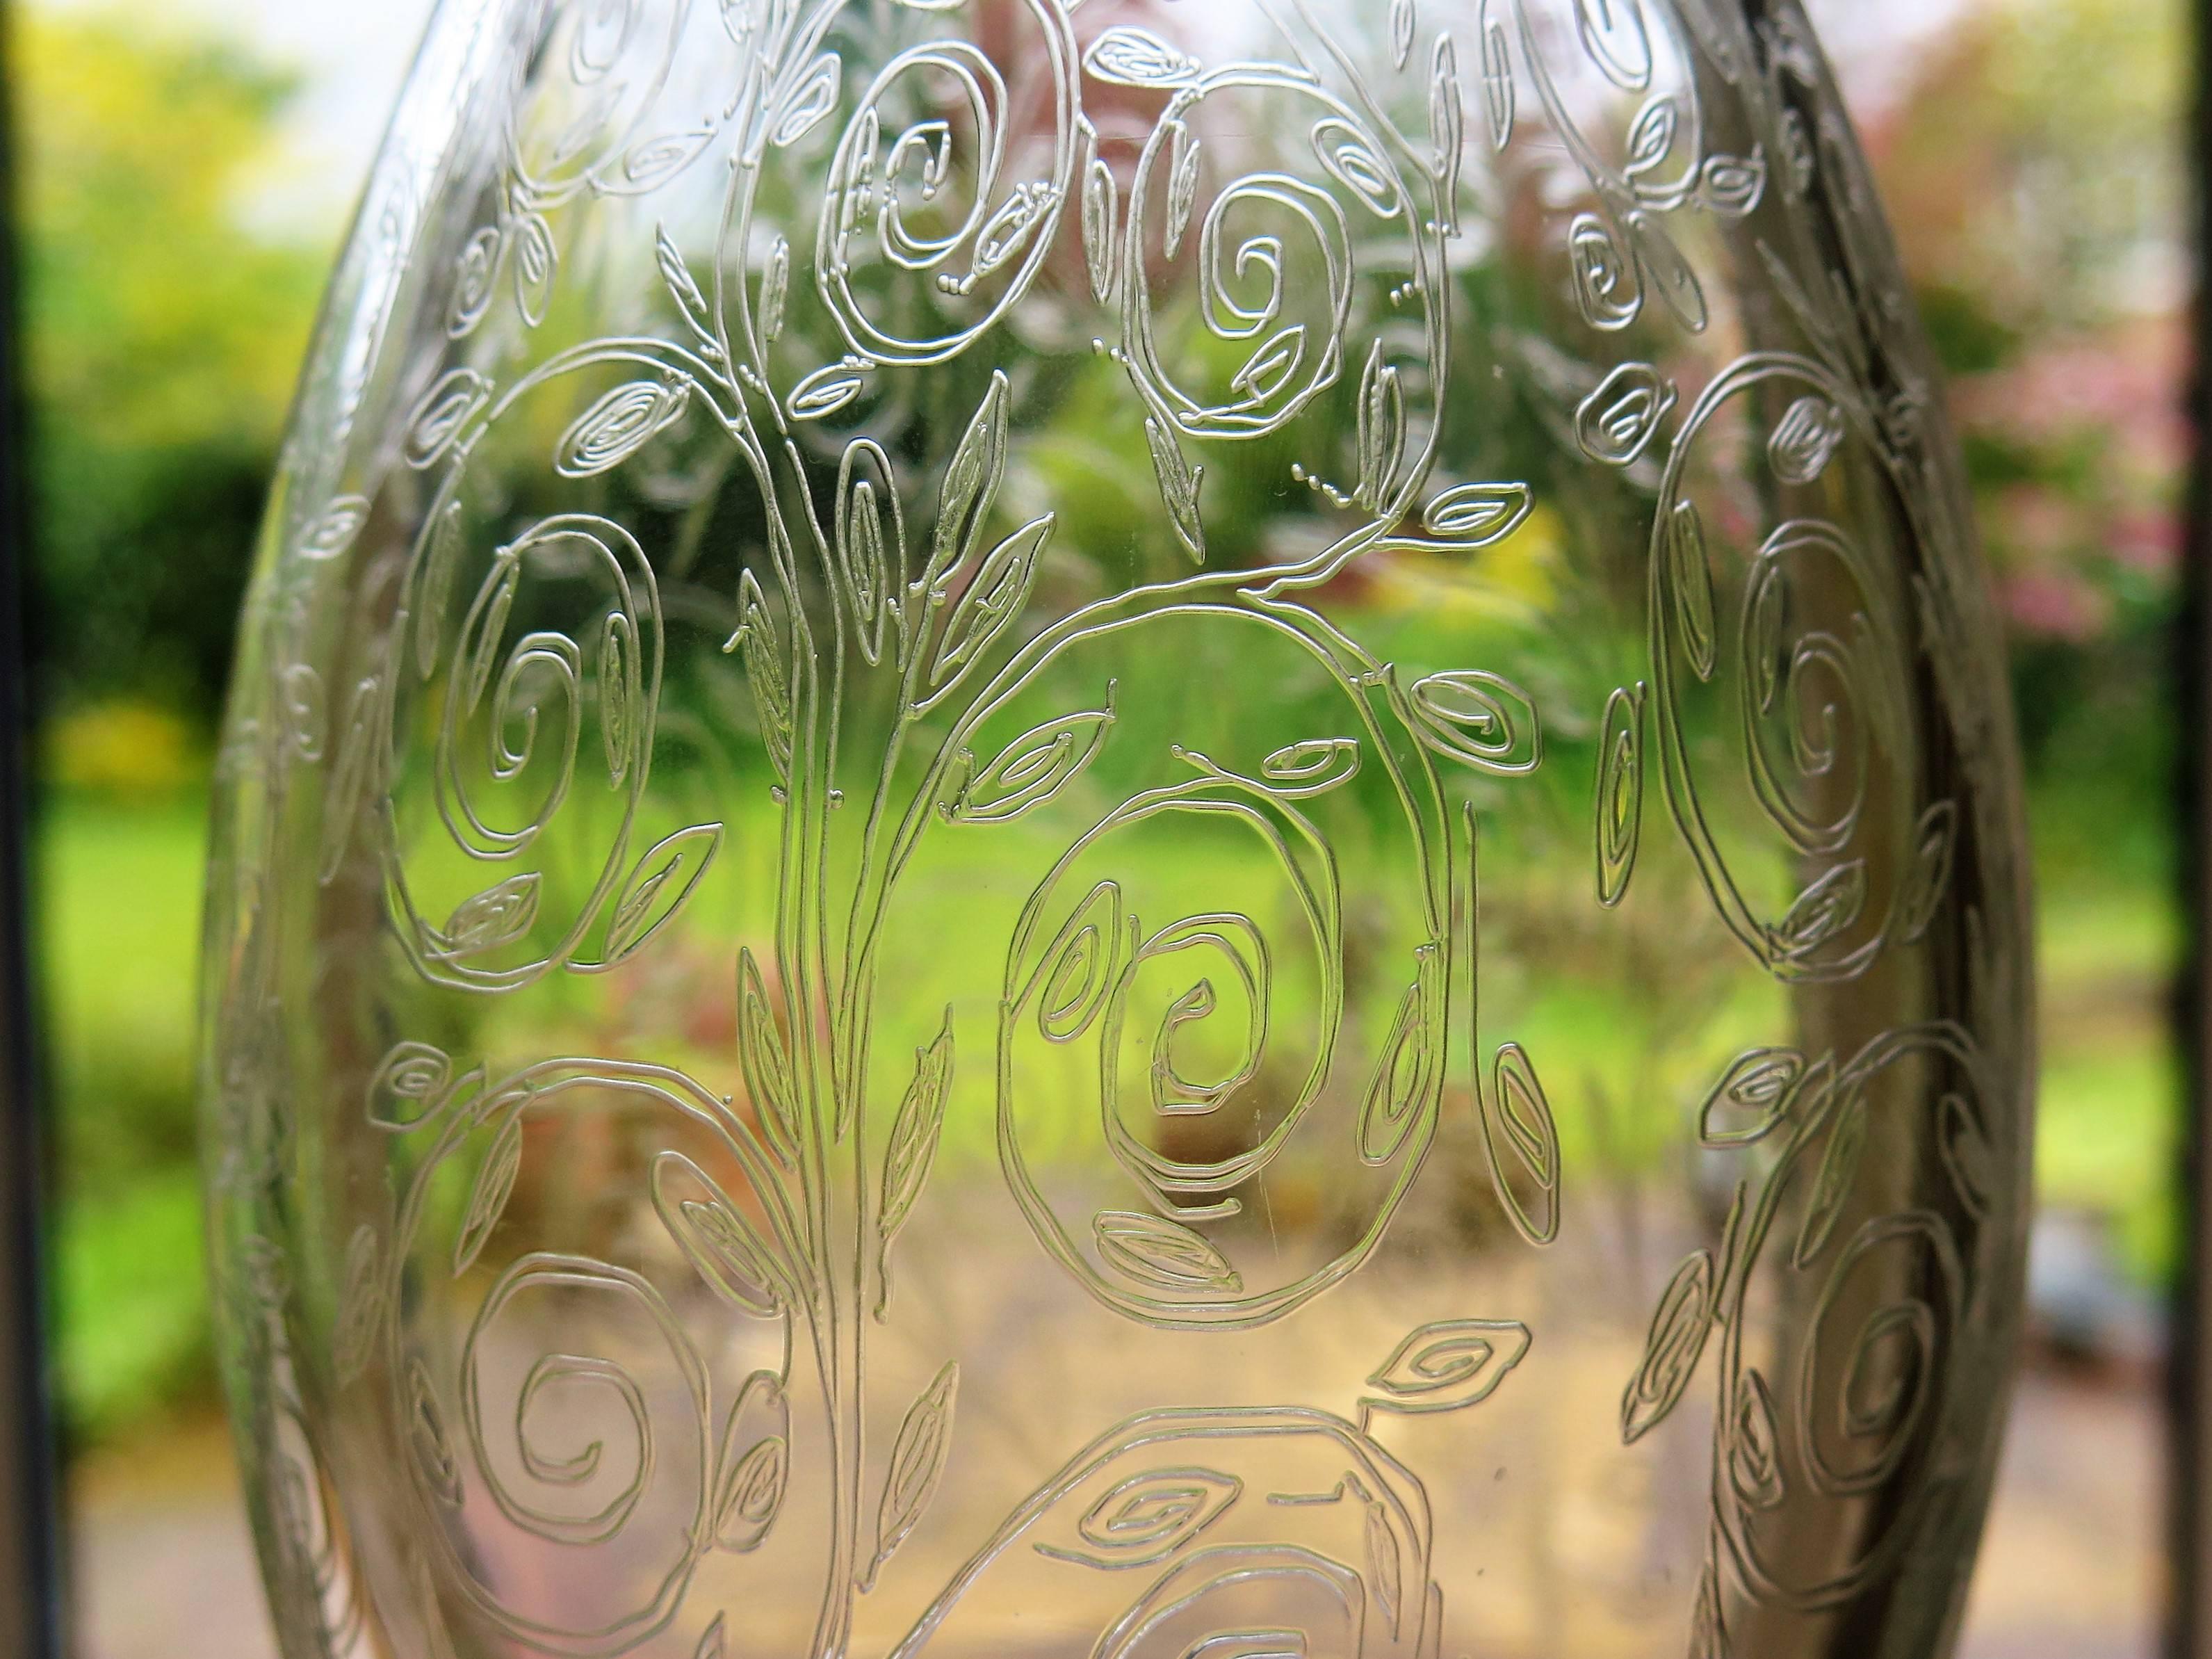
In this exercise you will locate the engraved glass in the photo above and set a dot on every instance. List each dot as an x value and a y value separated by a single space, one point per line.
1148 829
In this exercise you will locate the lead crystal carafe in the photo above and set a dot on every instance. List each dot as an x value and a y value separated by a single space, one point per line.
1146 828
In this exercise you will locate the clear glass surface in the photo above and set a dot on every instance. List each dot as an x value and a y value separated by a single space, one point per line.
1168 830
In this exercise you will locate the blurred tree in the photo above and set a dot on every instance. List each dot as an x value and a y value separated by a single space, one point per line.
2035 177
163 340
163 337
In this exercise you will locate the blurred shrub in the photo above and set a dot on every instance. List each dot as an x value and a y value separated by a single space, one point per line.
124 748
163 338
162 341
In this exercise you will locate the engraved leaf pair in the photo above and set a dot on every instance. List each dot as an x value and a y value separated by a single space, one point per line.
998 583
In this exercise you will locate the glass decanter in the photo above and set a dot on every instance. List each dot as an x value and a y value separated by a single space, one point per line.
1149 828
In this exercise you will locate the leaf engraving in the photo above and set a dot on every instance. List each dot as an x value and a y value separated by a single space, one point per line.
1731 186
684 289
1381 429
871 557
1836 1180
1477 514
361 1305
992 601
657 888
457 398
1477 719
487 1197
766 1064
1968 1158
972 485
776 287
720 1241
1031 769
1403 21
537 264
914 1135
1126 55
760 644
1826 909
1689 575
917 1463
495 918
1142 1520
1521 1137
1446 1365
1498 88
1753 1098
1386 1568
1755 1447
1804 439
1183 184
1619 814
1165 1254
1447 127
653 163
827 389
1102 214
1179 484
1935 847
1616 422
618 425
754 1467
1680 1326
1312 767
810 100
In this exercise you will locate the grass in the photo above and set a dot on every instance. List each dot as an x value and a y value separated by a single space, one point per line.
118 936
2109 1110
120 889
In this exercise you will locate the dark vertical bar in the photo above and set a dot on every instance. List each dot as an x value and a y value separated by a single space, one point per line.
2190 1364
29 1548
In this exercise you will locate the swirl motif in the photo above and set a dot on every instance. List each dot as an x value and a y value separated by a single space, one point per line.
1819 653
610 1439
1291 269
1874 1367
1202 1020
1254 1527
885 189
486 723
581 124
511 733
1872 1388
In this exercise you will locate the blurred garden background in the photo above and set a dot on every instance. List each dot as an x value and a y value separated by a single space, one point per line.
186 171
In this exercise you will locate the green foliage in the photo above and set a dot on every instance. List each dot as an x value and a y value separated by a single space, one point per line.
162 342
117 931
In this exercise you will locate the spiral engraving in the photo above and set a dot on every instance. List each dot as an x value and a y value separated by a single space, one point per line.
883 187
